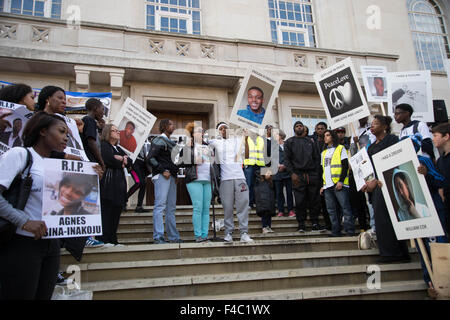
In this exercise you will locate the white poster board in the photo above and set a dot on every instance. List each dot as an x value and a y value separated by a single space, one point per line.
74 144
362 168
341 94
413 88
255 100
71 199
375 83
76 101
406 193
134 123
18 115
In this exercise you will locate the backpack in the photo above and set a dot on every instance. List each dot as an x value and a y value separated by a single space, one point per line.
264 198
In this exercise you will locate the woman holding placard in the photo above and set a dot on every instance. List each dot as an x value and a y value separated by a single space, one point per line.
28 264
113 185
391 249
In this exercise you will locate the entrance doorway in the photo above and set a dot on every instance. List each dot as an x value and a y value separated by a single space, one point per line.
180 120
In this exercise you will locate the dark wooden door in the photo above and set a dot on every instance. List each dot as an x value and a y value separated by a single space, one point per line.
180 120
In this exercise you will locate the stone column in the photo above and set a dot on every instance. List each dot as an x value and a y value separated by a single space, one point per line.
82 78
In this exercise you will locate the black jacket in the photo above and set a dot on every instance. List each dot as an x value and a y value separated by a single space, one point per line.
160 156
301 156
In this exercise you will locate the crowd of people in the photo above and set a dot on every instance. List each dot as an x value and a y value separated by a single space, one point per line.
312 178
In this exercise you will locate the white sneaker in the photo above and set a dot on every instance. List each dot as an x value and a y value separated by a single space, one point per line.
246 238
119 245
270 230
228 238
265 230
108 245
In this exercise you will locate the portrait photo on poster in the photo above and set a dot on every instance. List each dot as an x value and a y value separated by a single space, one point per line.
134 123
406 192
17 116
71 199
408 199
255 99
375 83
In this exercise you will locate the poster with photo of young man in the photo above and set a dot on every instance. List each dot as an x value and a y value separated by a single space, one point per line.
375 83
17 117
255 100
134 123
408 199
413 88
341 94
71 199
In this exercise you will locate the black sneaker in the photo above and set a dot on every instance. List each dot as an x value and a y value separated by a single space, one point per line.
301 229
318 227
60 280
141 210
176 241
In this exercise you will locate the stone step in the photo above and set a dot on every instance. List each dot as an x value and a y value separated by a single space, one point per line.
144 252
405 290
224 264
238 282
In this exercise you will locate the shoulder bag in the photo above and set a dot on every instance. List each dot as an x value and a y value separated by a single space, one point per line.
17 195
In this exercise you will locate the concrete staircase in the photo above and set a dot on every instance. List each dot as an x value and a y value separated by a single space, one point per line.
282 265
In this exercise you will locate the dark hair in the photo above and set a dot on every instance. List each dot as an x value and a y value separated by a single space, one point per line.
93 103
163 124
384 120
333 136
443 128
402 177
15 93
132 123
81 181
321 123
46 93
40 120
220 123
17 119
375 78
256 88
405 107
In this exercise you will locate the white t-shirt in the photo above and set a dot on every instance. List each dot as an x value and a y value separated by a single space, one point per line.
203 169
327 166
12 163
364 136
424 131
226 151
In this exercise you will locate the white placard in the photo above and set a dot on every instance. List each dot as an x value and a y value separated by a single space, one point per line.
406 193
71 199
18 116
413 88
362 168
74 144
134 123
255 100
341 94
375 83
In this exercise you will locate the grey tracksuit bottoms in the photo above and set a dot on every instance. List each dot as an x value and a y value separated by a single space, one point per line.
235 192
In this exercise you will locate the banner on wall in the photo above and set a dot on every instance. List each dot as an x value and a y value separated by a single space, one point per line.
408 199
17 116
375 83
75 101
341 94
134 123
71 199
413 88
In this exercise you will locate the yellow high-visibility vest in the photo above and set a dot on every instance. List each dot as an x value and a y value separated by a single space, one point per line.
256 152
336 165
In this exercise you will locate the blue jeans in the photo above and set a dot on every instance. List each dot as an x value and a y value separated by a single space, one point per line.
249 172
279 185
200 192
332 198
165 202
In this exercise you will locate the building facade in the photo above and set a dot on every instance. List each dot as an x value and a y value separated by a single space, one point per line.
184 59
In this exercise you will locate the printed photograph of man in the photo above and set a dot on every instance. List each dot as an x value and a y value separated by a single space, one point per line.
380 88
73 190
254 111
127 140
12 138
